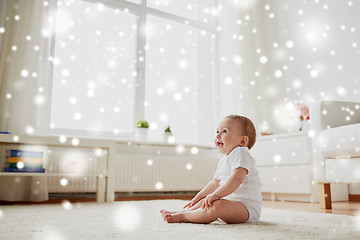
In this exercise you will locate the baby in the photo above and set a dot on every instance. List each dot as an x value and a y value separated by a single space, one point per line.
234 194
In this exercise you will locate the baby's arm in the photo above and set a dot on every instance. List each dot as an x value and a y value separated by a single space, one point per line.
234 181
209 188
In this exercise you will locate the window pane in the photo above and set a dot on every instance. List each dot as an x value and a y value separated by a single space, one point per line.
185 8
94 64
173 76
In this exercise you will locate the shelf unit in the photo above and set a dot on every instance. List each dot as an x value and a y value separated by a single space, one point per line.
104 173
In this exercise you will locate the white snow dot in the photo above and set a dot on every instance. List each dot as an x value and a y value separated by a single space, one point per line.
277 158
188 166
289 44
75 141
24 73
149 162
271 15
63 182
341 91
65 72
194 150
311 133
28 38
77 116
177 96
278 74
73 100
17 17
90 93
183 64
14 48
20 165
62 139
237 60
160 91
228 80
39 99
16 138
180 149
297 84
29 130
159 185
1 214
66 205
314 74
2 30
263 59
8 96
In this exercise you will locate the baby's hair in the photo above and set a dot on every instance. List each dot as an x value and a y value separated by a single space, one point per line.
247 126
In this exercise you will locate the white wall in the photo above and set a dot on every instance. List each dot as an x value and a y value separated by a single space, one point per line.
323 61
314 43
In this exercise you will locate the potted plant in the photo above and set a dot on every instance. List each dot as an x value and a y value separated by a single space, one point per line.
141 130
168 136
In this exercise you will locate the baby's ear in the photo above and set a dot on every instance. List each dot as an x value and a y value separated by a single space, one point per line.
244 141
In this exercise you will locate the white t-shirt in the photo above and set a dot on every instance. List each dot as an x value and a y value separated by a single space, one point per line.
249 191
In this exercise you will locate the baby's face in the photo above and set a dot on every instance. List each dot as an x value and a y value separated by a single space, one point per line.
228 136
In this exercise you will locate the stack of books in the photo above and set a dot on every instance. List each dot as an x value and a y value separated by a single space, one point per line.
23 161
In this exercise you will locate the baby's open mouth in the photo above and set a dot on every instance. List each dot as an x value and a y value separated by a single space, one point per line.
219 144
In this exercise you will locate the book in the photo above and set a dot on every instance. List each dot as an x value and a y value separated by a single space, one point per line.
23 153
25 160
34 170
26 165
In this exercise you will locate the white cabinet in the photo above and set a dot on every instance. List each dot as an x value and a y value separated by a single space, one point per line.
285 165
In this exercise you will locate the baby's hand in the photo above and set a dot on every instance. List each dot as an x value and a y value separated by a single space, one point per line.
191 203
209 200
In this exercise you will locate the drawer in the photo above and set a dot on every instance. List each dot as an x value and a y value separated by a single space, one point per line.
292 179
286 179
293 150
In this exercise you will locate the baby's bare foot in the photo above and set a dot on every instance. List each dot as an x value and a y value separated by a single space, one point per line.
163 212
172 218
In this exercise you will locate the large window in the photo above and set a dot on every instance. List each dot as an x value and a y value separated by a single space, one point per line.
116 61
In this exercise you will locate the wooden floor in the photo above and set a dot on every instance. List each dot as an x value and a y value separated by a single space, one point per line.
351 208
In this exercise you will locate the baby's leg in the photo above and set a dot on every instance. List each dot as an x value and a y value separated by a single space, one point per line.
226 210
196 206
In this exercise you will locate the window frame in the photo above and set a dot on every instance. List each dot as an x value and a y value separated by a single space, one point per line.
140 10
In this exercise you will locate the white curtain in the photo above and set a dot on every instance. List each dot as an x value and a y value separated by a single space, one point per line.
25 87
240 90
24 82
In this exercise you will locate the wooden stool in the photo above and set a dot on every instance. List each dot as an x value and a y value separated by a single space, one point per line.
325 195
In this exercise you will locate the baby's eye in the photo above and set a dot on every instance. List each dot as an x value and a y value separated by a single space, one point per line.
224 131
217 132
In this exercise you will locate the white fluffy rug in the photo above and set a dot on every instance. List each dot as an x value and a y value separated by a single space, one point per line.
142 220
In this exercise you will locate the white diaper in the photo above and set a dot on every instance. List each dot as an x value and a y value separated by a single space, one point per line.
254 209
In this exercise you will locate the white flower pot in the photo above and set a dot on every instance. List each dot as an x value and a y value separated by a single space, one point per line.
141 134
169 137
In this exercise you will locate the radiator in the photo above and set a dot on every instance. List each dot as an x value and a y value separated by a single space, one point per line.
141 170
77 161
